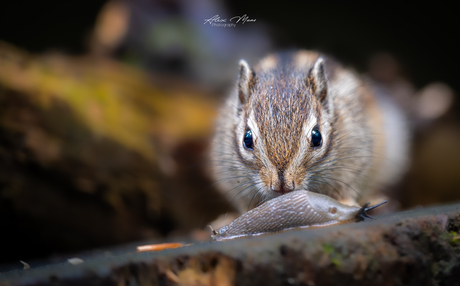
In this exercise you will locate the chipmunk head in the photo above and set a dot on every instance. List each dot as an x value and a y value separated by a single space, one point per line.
284 120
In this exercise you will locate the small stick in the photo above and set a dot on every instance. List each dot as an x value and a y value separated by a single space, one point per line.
159 246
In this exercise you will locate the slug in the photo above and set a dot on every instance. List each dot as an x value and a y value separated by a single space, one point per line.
299 209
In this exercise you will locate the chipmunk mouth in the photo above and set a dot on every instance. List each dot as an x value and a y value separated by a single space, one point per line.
277 181
284 189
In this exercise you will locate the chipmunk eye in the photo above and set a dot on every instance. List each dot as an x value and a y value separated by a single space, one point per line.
247 140
316 138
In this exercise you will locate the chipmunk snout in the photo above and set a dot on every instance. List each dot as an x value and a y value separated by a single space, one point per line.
282 182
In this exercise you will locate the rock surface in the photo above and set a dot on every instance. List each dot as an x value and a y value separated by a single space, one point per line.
417 247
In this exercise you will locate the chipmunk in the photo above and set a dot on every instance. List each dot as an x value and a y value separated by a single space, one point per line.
301 121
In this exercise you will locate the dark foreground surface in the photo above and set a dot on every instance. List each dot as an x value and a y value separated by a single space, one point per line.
418 247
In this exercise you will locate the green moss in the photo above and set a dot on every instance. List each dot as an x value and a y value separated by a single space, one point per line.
327 248
336 262
334 256
110 99
455 238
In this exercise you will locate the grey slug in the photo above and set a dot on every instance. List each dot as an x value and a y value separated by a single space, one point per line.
299 209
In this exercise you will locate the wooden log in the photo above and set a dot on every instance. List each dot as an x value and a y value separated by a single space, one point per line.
417 247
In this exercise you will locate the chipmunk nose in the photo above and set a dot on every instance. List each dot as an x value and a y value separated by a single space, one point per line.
282 184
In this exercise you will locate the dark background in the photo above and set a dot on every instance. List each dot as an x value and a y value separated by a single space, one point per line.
423 36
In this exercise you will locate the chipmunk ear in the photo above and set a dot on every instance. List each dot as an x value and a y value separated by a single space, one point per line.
317 81
245 82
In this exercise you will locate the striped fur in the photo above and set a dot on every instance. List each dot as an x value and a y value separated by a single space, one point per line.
281 100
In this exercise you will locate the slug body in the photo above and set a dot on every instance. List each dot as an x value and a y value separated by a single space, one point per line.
301 121
300 209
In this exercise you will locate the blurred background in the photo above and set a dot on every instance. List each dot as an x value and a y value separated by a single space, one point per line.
107 107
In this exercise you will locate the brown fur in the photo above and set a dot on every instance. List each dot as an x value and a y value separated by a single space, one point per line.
281 100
